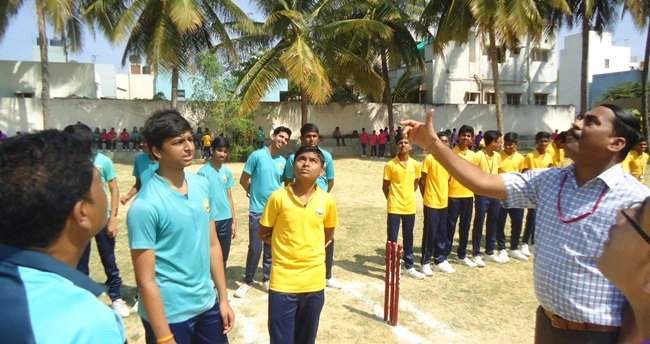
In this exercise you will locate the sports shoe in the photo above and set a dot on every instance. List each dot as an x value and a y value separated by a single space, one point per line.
516 254
135 307
478 261
444 267
524 250
426 270
334 283
503 254
493 258
266 285
120 307
414 273
242 290
465 261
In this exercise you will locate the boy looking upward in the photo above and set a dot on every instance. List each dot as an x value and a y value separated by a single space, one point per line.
298 222
401 175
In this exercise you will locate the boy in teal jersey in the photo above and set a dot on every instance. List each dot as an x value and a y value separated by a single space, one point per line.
309 136
170 219
262 175
221 183
144 166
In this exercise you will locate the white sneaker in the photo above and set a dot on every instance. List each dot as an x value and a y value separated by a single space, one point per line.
135 307
120 307
334 283
517 254
478 261
242 290
524 250
414 273
465 261
445 267
426 270
503 254
266 285
493 258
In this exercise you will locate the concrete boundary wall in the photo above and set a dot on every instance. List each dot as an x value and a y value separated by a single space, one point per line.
25 114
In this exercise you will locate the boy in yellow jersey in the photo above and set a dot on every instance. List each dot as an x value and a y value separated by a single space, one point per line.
637 160
487 208
556 149
538 158
434 187
401 175
298 222
511 161
461 202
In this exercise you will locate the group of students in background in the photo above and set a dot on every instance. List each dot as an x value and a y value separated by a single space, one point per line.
107 141
377 142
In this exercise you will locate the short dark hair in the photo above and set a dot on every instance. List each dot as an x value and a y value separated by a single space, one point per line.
542 135
282 129
490 136
308 128
625 125
162 125
561 136
441 134
511 137
81 131
310 149
42 177
465 128
642 139
220 141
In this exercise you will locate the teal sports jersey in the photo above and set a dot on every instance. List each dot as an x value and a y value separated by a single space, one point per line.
144 169
220 182
107 171
177 228
266 176
323 180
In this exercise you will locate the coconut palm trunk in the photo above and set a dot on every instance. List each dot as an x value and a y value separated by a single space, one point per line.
584 71
174 96
388 97
45 67
644 85
494 63
304 106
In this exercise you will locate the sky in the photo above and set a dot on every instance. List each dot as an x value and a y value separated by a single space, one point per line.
23 30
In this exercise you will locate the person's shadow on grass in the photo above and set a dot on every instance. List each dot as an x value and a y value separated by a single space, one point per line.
373 266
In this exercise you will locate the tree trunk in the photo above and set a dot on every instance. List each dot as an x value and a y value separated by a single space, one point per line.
175 88
584 72
304 106
388 99
494 63
644 86
64 39
45 67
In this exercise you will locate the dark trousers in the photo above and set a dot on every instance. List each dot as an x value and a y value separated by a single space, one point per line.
485 207
382 150
224 233
434 235
125 144
545 333
516 221
255 249
529 230
294 318
408 222
205 328
329 259
113 144
342 140
206 153
373 151
459 207
136 144
363 148
106 250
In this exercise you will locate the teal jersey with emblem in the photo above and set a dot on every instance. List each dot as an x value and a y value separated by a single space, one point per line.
107 172
266 173
220 182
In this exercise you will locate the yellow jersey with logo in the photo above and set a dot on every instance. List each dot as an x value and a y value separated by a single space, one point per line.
456 189
635 164
511 163
489 164
535 160
436 185
401 192
557 154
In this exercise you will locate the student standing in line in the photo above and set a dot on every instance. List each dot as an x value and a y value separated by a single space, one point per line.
364 138
373 144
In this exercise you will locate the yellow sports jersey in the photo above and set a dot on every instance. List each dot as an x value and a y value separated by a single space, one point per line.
535 160
456 189
486 163
298 239
635 164
401 192
557 154
207 140
436 187
514 163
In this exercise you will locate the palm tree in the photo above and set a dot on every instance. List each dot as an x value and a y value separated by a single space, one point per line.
502 22
640 11
172 34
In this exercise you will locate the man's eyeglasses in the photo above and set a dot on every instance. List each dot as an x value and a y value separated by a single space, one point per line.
635 224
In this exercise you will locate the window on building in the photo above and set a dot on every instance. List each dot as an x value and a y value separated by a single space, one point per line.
471 96
500 51
539 54
515 51
513 98
490 98
180 93
606 63
541 99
